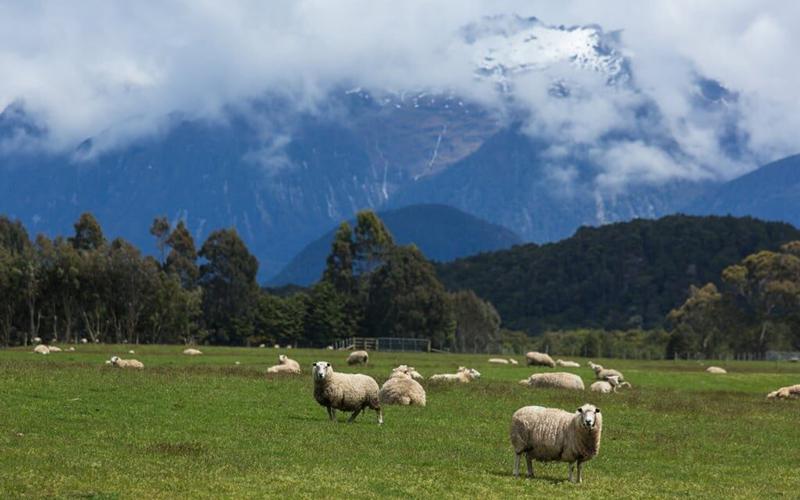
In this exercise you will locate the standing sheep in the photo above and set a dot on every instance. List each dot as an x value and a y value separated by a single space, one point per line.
285 365
464 375
192 352
126 363
557 380
789 392
716 370
540 359
551 434
345 391
358 358
570 364
402 390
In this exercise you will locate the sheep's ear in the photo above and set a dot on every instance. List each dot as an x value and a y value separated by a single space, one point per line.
327 364
597 410
580 410
314 364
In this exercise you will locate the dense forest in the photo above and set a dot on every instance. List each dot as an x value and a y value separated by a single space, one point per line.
615 277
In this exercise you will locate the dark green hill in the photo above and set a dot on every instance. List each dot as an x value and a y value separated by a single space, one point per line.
442 233
616 276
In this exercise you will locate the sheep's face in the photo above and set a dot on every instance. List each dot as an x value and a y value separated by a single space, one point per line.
282 358
589 415
321 369
474 373
613 380
114 360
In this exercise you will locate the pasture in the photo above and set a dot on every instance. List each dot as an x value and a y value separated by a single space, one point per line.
203 427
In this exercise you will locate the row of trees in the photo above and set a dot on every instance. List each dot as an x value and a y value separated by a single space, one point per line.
84 286
756 308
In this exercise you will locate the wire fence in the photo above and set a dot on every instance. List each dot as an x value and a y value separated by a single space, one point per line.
384 344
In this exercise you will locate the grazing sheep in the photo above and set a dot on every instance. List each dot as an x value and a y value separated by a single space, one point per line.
358 358
540 359
551 434
788 392
402 390
463 375
41 349
192 352
556 380
513 361
55 348
571 364
716 369
126 363
500 361
285 365
345 391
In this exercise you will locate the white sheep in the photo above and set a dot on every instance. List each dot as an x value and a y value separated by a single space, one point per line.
570 364
606 386
499 361
36 340
262 346
404 370
84 341
126 363
55 348
513 361
548 434
463 375
41 349
131 351
555 380
402 390
192 352
788 392
345 391
285 365
603 373
358 358
540 359
71 349
716 370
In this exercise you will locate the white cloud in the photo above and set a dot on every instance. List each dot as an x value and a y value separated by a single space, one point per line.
115 70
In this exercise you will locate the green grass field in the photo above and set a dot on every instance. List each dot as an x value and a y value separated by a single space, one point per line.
71 427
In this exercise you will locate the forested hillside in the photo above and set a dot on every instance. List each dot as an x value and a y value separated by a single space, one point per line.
619 276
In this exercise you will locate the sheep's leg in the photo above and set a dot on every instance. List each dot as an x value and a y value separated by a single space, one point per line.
580 467
571 465
516 464
380 416
353 416
529 463
331 413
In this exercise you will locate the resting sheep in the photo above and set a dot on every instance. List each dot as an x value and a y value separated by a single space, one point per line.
540 359
499 361
358 358
557 380
603 373
41 349
55 348
192 352
789 392
402 390
404 370
716 369
606 386
345 391
463 375
285 365
126 363
513 361
551 434
570 364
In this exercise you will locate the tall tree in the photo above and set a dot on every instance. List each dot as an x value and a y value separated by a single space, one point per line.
182 258
88 233
339 264
160 229
372 243
477 323
228 278
698 323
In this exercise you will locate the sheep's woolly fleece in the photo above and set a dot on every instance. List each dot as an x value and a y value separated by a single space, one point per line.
345 391
556 380
463 375
540 359
192 352
788 392
358 358
126 363
285 365
402 390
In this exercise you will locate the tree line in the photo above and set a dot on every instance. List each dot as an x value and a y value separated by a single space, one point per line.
84 286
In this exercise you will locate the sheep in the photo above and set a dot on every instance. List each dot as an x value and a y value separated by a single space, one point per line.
603 373
285 365
54 348
556 380
513 361
71 349
539 358
84 341
606 386
463 375
405 370
358 358
192 352
345 391
262 346
500 361
126 363
594 365
41 349
36 340
571 364
548 434
402 390
276 346
131 351
788 392
716 369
